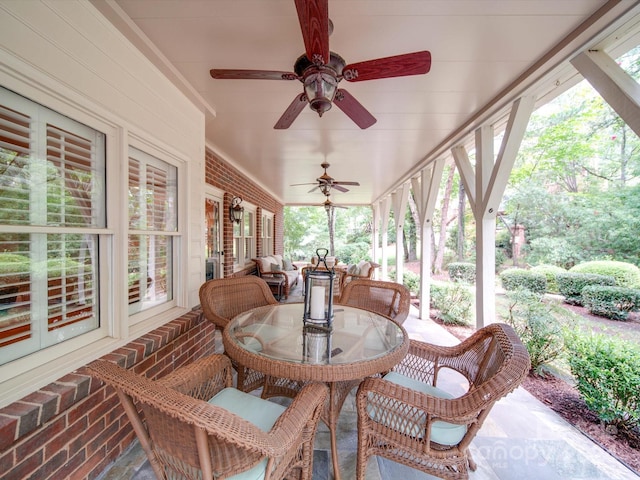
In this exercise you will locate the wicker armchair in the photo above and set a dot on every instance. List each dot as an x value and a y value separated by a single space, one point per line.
224 298
386 298
406 418
338 279
196 428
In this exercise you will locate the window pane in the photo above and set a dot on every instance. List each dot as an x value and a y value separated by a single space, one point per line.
150 280
47 280
69 179
15 145
152 193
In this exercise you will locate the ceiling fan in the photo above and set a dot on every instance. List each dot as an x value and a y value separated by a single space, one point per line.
328 204
320 70
326 182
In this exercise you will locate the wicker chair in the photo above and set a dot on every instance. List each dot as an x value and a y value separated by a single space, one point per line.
224 298
196 428
337 281
406 418
386 298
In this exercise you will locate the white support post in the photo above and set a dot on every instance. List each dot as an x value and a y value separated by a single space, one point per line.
375 254
425 191
384 229
399 199
485 187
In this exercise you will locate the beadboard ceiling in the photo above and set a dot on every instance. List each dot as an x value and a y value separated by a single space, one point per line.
485 53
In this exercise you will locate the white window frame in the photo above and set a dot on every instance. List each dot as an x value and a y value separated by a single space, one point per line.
268 247
25 375
244 243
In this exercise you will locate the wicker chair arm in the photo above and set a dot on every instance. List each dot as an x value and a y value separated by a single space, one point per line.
201 379
303 413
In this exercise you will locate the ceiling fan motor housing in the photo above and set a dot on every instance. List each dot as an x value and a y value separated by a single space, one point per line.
320 80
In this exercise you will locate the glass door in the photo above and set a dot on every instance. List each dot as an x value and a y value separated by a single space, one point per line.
214 251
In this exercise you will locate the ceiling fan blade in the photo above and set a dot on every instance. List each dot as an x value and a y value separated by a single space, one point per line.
298 184
314 189
416 63
313 16
357 184
292 112
354 110
230 74
339 188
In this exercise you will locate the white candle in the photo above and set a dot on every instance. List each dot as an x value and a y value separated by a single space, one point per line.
317 303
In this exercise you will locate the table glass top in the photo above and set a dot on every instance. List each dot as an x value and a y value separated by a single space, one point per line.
278 332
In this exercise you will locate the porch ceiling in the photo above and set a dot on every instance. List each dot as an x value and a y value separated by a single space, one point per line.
485 54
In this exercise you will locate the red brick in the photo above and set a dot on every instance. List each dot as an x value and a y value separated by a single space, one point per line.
8 430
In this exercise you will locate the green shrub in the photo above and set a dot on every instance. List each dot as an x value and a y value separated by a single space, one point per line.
453 301
518 279
570 284
625 274
549 271
410 280
607 371
539 325
11 263
611 302
462 272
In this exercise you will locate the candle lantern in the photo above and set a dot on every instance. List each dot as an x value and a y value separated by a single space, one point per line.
316 344
318 288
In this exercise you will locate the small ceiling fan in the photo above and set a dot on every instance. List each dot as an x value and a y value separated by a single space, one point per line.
326 182
320 70
328 204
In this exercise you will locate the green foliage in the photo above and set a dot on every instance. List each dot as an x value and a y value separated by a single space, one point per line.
353 252
517 279
11 263
539 325
453 301
554 250
625 274
571 284
607 371
549 271
409 279
462 272
611 302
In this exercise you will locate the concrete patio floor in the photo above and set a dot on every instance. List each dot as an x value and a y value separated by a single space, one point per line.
521 439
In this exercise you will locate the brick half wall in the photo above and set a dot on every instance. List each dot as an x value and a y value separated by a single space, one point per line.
75 427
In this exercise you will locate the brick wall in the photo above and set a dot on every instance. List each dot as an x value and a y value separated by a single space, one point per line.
235 184
75 427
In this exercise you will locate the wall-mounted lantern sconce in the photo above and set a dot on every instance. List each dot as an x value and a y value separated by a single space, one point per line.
236 211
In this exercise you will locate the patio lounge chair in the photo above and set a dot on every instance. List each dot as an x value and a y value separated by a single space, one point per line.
406 418
390 299
222 299
197 426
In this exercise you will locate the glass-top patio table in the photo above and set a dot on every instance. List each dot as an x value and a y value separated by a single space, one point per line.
273 340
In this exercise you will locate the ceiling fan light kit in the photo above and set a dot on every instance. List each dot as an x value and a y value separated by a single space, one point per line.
320 70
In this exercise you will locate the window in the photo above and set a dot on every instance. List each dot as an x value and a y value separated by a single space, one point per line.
152 226
244 238
267 233
52 207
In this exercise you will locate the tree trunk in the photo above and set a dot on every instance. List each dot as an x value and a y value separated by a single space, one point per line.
412 232
331 221
444 213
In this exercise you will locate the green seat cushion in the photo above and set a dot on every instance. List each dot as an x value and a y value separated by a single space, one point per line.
262 413
444 433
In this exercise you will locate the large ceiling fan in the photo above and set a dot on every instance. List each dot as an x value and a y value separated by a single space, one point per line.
320 70
326 182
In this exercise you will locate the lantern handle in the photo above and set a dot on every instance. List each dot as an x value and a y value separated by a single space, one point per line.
322 258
